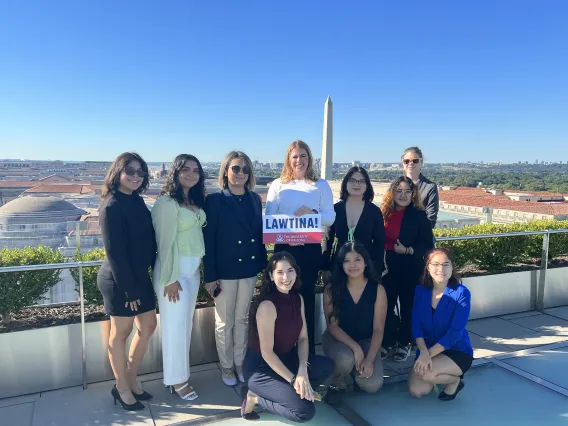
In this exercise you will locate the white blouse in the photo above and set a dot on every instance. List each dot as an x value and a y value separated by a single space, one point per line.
286 198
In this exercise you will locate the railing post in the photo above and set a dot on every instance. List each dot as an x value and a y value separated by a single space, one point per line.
83 337
542 277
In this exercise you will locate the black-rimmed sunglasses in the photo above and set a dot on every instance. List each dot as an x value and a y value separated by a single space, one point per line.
237 169
131 171
414 160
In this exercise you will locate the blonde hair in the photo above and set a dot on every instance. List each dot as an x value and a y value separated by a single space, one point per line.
387 207
415 150
223 182
287 174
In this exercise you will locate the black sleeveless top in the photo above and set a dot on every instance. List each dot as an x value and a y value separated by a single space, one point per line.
288 324
357 319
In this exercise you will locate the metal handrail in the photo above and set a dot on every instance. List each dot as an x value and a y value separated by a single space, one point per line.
67 265
94 263
505 234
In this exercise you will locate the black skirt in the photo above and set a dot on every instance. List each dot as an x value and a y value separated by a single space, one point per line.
462 360
115 299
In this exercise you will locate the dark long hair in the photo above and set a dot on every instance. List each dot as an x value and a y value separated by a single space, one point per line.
268 287
172 187
337 290
427 280
112 179
369 191
387 207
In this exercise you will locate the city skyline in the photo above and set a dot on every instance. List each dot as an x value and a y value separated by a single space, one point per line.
156 163
477 81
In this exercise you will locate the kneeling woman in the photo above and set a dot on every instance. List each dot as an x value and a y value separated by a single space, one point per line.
355 308
278 369
440 315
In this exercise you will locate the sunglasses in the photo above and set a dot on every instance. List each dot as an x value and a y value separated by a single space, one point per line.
131 171
415 161
237 169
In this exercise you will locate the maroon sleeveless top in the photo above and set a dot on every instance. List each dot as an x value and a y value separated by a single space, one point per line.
288 322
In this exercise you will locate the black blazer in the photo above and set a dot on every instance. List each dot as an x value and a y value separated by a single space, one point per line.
370 231
416 232
233 242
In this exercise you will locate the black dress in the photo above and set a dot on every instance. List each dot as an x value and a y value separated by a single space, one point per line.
369 231
130 245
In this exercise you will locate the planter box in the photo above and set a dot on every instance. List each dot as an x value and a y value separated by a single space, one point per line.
50 358
203 349
40 360
556 288
502 294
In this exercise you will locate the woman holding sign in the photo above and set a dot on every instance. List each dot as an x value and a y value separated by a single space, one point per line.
300 192
234 255
408 236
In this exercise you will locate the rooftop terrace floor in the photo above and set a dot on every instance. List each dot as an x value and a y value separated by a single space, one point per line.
520 377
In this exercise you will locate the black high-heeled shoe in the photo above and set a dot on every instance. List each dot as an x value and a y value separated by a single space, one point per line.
247 416
137 406
144 396
445 397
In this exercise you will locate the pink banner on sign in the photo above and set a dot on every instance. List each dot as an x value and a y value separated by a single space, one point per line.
292 238
286 229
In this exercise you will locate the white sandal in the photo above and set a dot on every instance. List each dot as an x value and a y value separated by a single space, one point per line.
187 397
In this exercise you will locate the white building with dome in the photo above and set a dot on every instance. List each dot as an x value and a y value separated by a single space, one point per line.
31 221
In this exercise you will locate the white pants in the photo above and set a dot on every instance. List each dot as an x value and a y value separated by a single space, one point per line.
176 320
231 320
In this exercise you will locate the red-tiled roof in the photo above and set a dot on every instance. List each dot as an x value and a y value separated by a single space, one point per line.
61 188
18 184
55 175
476 197
93 227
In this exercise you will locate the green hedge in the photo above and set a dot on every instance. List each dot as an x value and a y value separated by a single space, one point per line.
90 288
495 255
21 289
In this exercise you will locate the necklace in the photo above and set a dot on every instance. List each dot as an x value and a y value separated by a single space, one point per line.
239 197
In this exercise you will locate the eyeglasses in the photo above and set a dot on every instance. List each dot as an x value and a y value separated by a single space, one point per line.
131 171
357 181
443 265
405 192
238 169
408 161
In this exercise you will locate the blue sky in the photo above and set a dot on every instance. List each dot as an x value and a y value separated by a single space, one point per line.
465 80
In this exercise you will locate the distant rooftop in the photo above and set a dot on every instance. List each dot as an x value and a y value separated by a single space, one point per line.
477 197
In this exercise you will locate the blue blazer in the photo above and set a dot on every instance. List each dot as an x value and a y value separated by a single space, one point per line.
447 326
233 242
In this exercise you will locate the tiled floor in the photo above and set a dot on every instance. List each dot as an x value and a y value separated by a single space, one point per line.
507 397
492 396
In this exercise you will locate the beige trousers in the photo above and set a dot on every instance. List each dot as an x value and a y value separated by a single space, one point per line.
231 320
344 361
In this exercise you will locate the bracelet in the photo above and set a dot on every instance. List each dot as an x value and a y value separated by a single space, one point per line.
293 381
